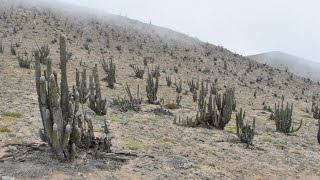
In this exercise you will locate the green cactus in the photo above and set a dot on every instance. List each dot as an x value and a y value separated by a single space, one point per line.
139 72
283 118
24 61
152 88
169 82
97 103
110 68
178 86
63 127
244 132
193 85
1 46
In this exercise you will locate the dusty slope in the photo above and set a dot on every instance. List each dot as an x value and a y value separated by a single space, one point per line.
179 152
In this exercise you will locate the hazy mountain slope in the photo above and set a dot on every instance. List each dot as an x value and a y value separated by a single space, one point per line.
163 150
296 65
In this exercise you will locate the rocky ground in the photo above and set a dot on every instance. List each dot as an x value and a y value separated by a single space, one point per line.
151 146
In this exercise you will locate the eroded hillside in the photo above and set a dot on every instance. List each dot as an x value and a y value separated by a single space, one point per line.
165 150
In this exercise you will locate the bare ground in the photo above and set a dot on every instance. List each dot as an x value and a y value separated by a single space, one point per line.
166 151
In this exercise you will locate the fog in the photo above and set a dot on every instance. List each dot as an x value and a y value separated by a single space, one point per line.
246 27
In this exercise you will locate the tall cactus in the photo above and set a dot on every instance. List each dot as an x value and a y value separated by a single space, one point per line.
152 88
110 68
218 111
283 118
97 103
82 85
1 46
64 133
244 132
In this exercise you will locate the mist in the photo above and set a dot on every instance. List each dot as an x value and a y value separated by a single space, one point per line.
245 27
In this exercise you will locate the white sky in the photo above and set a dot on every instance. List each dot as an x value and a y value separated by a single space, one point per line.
243 26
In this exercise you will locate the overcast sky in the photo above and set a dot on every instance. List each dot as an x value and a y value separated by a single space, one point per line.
243 26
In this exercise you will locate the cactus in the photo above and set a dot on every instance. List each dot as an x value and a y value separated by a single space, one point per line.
152 88
97 103
175 68
193 85
139 72
24 62
110 68
13 50
169 82
1 46
195 95
214 88
178 99
218 110
319 132
155 72
316 111
81 86
188 122
65 132
178 86
244 132
283 118
133 103
44 53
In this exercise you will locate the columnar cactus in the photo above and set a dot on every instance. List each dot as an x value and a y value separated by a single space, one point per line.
82 85
244 132
178 86
139 72
133 103
97 103
44 53
1 46
193 85
13 50
65 130
152 88
218 110
110 68
169 82
283 118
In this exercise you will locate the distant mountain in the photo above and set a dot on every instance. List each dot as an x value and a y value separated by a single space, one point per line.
294 64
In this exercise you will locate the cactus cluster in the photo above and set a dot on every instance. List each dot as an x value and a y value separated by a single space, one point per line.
244 132
110 68
152 88
138 71
24 61
133 103
96 102
81 86
44 53
65 129
188 122
193 85
218 110
283 118
178 86
155 71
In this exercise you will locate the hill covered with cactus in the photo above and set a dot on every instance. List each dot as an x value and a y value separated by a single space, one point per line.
93 95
